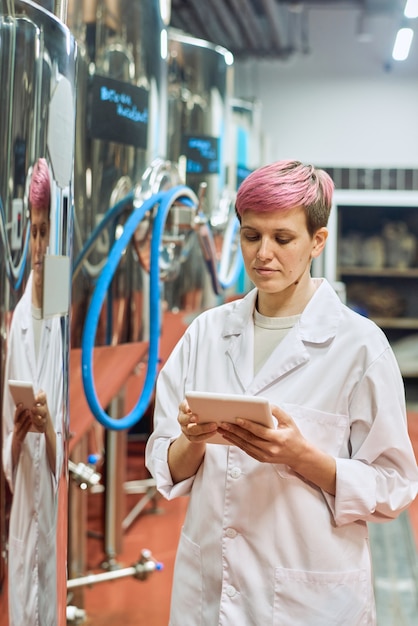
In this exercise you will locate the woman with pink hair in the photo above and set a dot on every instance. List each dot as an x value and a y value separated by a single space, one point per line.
32 435
276 527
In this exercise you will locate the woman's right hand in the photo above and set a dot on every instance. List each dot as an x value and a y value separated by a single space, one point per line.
186 453
190 427
22 422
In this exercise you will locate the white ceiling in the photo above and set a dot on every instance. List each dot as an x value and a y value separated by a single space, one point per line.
316 38
337 48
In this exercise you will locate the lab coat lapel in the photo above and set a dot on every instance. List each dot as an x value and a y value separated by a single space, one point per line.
317 325
241 352
36 366
290 354
239 330
27 330
44 347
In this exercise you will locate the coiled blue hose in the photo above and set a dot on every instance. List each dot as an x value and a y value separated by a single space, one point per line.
165 201
111 214
228 276
223 275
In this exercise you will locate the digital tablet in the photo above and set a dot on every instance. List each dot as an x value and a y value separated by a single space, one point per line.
22 392
220 407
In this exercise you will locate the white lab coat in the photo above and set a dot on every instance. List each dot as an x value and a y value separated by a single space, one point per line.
260 545
32 529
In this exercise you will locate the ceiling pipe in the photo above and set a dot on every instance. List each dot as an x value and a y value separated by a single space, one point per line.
181 21
211 26
251 28
304 32
195 25
275 23
227 19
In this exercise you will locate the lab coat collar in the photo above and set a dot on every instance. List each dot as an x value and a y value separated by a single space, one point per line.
27 332
318 324
27 307
322 315
26 304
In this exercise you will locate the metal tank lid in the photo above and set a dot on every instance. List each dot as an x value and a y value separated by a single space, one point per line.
182 37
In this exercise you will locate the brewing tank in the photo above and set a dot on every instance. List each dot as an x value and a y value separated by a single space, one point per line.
200 83
200 76
120 131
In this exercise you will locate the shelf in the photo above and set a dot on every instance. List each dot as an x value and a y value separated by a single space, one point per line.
389 291
381 272
406 323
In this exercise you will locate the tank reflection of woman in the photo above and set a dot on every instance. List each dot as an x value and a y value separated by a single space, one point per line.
32 438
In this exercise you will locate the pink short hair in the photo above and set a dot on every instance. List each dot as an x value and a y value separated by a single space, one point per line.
284 185
40 186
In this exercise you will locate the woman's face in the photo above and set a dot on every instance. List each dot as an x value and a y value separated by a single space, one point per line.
277 249
39 239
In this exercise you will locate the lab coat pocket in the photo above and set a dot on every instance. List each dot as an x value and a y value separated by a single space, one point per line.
186 598
322 598
325 430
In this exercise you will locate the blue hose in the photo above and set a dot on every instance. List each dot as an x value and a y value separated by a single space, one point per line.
15 280
222 276
22 264
109 216
207 246
228 277
165 201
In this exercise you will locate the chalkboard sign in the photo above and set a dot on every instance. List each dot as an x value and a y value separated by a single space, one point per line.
118 112
202 154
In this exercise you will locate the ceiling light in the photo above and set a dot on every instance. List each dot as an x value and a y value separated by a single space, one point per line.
402 44
411 9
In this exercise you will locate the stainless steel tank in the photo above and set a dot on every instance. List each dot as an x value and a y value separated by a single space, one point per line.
200 83
200 76
121 117
37 120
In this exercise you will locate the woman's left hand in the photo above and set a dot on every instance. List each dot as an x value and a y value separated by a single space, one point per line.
267 445
40 412
284 445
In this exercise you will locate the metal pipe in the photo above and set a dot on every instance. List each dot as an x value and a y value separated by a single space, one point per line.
115 455
275 23
61 10
140 570
150 493
250 26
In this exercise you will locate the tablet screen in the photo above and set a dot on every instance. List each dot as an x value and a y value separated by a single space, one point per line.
219 407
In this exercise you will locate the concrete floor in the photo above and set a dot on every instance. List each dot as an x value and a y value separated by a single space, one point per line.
395 565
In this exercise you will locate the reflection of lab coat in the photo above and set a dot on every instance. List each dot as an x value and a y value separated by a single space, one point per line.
32 530
260 545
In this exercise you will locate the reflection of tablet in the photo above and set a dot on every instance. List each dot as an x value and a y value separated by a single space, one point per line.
220 407
22 392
